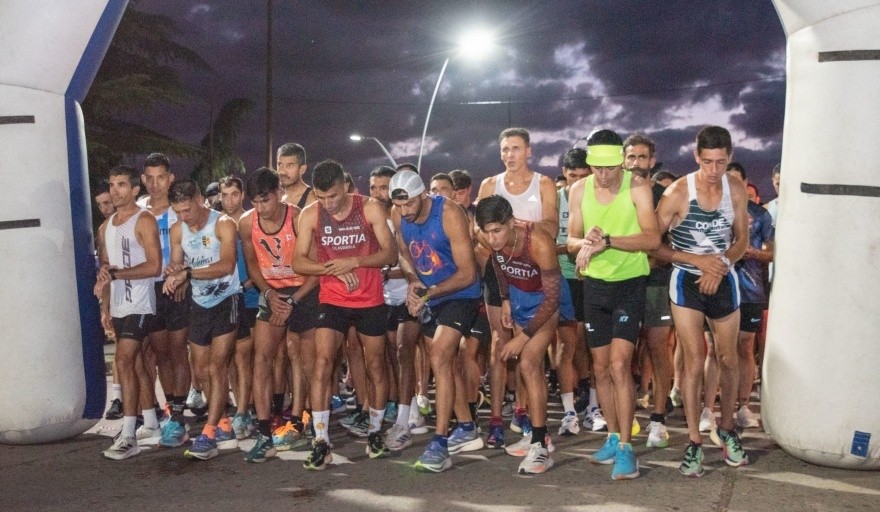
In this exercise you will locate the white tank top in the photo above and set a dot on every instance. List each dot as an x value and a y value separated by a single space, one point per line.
526 206
165 220
128 296
200 249
395 290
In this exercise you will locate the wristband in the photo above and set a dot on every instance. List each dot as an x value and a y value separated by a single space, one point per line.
607 241
189 272
425 298
112 272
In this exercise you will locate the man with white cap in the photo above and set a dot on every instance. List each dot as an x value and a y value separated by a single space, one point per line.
610 226
437 258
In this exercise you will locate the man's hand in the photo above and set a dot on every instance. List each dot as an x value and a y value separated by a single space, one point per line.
414 294
711 264
103 279
506 315
340 266
513 347
351 281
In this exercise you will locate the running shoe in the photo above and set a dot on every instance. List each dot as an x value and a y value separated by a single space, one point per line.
143 433
734 455
675 397
263 449
537 460
417 423
376 445
658 437
114 412
707 420
391 412
570 425
361 427
349 419
508 408
202 448
424 405
337 405
746 418
173 434
636 428
582 403
243 425
287 437
595 421
692 465
521 447
398 437
122 448
461 440
608 452
434 459
644 401
495 439
626 465
521 424
319 457
196 403
226 439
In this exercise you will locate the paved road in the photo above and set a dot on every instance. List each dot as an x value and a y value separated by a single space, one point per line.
71 476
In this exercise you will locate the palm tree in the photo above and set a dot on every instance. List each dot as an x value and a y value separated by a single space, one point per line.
217 149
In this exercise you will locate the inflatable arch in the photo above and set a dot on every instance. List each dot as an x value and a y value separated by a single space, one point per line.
52 373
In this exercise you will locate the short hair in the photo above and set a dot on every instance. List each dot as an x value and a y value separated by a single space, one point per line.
777 169
157 160
262 182
292 149
604 137
407 166
561 177
231 181
383 171
128 171
736 166
327 174
349 183
637 139
101 188
461 179
183 190
493 209
515 132
575 158
442 176
714 137
663 175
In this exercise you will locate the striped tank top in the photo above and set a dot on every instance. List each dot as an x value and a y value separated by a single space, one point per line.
701 231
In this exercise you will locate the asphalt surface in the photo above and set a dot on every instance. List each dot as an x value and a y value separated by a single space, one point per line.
72 475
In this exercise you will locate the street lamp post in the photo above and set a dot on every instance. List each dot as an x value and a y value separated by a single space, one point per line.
358 138
473 44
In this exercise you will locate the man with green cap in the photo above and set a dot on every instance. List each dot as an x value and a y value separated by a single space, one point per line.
611 225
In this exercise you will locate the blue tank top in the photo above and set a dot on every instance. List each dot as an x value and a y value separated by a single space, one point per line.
432 253
701 231
200 249
252 294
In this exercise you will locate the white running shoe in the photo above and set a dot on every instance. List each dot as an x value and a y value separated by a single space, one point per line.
122 448
658 437
537 460
143 433
707 420
594 420
398 437
675 397
644 401
570 424
521 447
417 423
746 418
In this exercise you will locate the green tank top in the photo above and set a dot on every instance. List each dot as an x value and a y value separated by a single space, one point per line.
617 218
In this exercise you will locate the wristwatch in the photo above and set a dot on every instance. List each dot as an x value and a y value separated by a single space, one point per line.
607 241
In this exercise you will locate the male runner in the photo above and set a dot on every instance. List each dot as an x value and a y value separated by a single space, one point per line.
292 166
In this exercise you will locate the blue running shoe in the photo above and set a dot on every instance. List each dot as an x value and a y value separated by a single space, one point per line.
391 412
496 436
337 405
734 455
243 425
435 459
608 452
461 440
626 465
287 437
226 439
173 434
263 450
203 448
521 424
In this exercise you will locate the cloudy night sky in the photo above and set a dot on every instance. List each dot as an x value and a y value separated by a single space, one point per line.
559 68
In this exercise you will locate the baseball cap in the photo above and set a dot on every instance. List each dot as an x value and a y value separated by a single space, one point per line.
405 184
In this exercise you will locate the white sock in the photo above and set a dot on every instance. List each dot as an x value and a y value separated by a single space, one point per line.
128 426
117 392
376 416
403 415
414 403
594 402
568 401
321 420
150 419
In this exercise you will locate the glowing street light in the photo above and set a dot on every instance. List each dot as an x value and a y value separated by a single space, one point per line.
357 138
473 45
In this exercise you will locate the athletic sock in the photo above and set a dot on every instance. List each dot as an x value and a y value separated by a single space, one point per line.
495 421
441 440
128 426
658 417
473 407
584 385
150 419
168 398
568 401
376 416
178 404
117 392
594 402
403 415
414 403
321 422
210 431
539 435
263 428
277 403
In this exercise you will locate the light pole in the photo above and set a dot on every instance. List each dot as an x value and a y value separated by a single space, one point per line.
474 44
358 138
